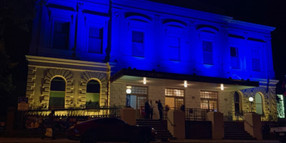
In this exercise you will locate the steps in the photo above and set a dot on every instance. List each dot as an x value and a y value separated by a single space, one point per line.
159 125
235 131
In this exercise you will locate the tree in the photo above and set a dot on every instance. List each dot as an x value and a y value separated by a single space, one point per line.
15 29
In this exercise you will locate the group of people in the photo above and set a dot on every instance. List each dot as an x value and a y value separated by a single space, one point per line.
149 109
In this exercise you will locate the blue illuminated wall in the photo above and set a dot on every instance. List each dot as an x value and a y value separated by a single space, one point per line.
151 36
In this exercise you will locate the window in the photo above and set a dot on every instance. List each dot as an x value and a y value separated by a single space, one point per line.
208 52
137 98
174 48
209 100
137 43
61 35
95 41
234 58
92 94
258 104
237 104
256 60
256 64
57 93
174 98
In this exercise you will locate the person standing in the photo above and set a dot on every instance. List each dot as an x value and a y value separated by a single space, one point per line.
151 109
147 110
160 108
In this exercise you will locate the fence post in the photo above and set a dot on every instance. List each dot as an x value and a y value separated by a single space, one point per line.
217 124
128 115
252 124
176 123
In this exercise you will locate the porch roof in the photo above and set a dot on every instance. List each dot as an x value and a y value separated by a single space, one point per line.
174 76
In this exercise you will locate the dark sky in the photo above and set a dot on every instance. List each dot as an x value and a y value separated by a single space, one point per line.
265 12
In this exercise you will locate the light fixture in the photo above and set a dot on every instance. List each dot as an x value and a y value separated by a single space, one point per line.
128 89
221 87
185 83
251 99
144 80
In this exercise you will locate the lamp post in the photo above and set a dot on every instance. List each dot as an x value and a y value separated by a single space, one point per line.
251 102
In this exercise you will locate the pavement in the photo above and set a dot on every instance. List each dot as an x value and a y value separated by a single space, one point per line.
47 140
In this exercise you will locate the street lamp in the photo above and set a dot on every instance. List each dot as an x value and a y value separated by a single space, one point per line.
251 99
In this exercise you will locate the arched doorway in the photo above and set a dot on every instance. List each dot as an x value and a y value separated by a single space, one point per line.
92 94
57 93
259 103
237 104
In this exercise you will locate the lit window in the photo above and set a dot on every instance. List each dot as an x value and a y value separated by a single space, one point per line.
208 52
57 93
258 104
174 98
95 40
61 35
234 58
138 44
137 98
92 94
209 100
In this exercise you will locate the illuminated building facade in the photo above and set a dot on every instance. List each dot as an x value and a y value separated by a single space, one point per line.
96 53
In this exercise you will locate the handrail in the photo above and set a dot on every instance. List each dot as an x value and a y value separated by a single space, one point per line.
172 124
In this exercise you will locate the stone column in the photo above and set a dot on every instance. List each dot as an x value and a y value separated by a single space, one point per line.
217 124
128 115
176 123
252 124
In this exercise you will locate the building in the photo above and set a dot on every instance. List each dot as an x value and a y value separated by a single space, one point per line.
116 53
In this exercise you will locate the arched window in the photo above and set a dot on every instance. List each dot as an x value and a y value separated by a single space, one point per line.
237 104
92 94
57 93
258 104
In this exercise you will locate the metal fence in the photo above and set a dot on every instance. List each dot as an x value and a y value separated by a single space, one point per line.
196 114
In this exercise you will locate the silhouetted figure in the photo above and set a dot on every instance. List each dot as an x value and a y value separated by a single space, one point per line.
160 109
182 108
147 110
151 109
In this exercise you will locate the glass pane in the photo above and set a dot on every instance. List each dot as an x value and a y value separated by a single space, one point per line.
258 104
61 35
92 100
57 99
170 102
93 87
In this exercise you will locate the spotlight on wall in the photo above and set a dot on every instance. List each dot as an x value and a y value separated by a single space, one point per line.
144 80
185 83
221 87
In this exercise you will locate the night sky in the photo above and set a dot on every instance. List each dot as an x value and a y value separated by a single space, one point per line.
265 12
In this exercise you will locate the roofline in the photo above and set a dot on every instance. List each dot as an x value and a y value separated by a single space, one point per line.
173 76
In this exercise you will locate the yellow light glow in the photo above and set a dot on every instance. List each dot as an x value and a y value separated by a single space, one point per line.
185 83
221 87
144 80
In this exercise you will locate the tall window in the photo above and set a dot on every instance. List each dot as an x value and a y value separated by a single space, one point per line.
61 35
92 94
174 98
174 48
234 58
208 52
137 43
57 93
137 98
256 60
258 104
209 100
237 104
95 41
